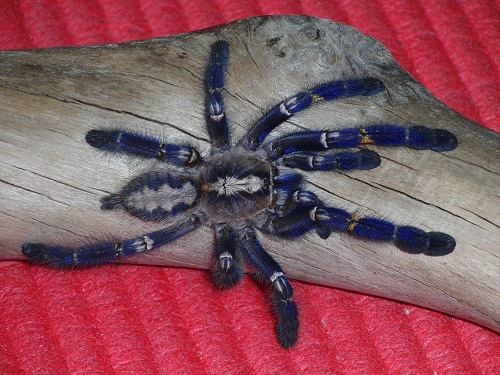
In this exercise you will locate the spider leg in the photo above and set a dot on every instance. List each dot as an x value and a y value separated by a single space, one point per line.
290 199
408 238
345 160
227 270
216 119
287 108
416 137
142 145
89 255
286 310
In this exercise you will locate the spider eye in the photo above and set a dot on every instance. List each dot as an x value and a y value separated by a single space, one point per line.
266 183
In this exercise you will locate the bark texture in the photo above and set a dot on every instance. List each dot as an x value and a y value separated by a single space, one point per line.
51 180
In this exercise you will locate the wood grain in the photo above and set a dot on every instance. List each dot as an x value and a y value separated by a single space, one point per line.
51 180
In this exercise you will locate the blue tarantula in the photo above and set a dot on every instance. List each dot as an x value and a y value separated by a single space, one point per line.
237 189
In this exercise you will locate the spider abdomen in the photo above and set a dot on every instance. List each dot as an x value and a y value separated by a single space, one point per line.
156 195
236 186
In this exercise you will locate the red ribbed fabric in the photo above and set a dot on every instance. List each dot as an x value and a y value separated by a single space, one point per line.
150 320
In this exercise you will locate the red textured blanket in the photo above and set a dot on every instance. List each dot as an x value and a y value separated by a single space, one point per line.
150 320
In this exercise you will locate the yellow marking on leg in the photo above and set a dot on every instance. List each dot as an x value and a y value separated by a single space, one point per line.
365 138
317 98
160 153
118 249
353 222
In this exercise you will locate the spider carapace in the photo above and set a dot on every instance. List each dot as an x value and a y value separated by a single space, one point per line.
252 185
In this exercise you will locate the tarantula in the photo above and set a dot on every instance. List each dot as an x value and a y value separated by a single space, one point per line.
238 189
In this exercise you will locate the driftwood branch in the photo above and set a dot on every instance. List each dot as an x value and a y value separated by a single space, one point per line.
51 180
